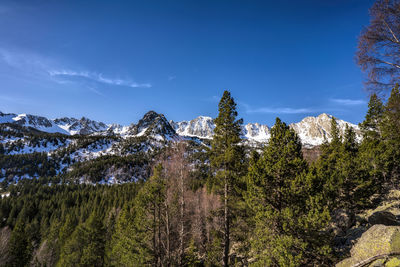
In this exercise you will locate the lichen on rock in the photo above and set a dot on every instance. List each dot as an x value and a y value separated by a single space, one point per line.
379 241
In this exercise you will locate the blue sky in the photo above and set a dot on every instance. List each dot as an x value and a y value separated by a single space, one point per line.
113 61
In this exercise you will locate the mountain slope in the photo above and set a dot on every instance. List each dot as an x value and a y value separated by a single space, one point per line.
34 146
311 130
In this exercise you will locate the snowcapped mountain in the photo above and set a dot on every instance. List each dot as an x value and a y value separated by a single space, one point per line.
153 124
256 132
37 122
84 142
201 127
314 130
311 130
83 126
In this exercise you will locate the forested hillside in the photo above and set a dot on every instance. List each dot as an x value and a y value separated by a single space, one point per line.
196 203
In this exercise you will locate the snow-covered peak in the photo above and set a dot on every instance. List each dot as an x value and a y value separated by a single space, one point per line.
315 130
152 124
37 122
311 130
256 132
83 126
201 127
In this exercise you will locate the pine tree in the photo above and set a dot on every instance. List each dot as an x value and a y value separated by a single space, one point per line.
19 248
370 127
326 166
391 135
288 215
355 185
227 158
86 246
372 148
137 237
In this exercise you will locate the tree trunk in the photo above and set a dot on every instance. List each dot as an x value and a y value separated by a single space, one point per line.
159 263
182 211
167 230
226 222
154 236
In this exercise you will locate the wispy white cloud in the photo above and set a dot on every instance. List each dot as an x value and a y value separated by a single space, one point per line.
41 68
348 102
97 77
24 61
94 90
172 77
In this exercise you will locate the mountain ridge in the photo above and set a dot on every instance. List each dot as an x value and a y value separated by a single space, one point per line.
312 131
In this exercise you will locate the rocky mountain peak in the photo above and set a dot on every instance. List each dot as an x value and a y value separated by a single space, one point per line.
315 130
311 130
256 131
31 120
202 127
153 123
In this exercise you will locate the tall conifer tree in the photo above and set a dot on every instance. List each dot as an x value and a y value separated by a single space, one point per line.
18 248
372 148
391 134
288 216
227 158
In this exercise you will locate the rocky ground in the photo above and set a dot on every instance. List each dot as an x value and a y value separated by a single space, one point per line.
372 237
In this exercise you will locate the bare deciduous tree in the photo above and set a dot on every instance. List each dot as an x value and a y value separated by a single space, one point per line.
378 51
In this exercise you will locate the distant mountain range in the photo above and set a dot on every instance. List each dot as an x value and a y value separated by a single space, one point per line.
311 130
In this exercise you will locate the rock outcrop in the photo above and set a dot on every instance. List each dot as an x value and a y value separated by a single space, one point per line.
383 217
377 243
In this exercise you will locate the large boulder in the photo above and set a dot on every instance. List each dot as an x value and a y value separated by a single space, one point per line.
378 241
383 217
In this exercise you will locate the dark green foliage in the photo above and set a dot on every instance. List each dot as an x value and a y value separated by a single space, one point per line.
391 135
33 165
370 127
19 246
130 168
288 215
226 154
59 216
345 184
86 246
227 159
136 240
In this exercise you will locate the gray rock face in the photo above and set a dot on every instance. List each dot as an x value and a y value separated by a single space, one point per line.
202 127
383 217
315 130
153 123
83 126
379 241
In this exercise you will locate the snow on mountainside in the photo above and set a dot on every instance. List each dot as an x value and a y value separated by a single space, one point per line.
311 130
122 152
256 132
314 130
39 123
154 124
83 126
201 127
